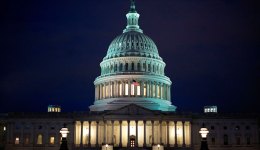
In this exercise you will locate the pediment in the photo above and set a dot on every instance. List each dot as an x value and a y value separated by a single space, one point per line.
133 109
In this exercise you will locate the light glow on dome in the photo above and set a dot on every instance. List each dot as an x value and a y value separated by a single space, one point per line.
132 72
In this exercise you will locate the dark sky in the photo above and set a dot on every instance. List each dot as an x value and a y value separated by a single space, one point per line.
51 50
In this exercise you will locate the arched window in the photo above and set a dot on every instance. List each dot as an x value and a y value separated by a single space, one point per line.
126 66
39 139
149 67
138 66
225 139
120 67
111 68
144 66
133 66
153 68
115 69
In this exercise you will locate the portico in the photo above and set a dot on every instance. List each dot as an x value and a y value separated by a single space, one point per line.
133 123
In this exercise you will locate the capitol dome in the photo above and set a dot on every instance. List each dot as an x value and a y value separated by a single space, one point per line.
132 72
132 43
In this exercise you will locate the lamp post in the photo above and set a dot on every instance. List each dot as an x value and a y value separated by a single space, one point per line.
203 132
158 146
64 133
106 146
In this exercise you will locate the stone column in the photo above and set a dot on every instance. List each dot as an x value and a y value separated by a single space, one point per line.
105 142
135 89
160 124
98 92
151 89
144 133
141 89
101 91
183 134
89 133
123 88
168 144
109 89
128 133
81 134
152 132
129 88
161 92
97 134
116 89
136 133
175 124
112 132
120 135
156 90
147 88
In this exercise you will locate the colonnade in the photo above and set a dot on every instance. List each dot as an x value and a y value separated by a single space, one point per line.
125 66
145 133
130 88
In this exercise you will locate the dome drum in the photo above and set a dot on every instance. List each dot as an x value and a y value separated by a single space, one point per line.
132 65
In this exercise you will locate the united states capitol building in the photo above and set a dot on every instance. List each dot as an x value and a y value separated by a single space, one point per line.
132 108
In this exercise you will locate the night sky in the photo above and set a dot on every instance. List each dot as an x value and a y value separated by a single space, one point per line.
51 50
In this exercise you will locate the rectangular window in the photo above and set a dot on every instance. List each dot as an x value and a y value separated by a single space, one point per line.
132 89
238 140
111 90
213 140
17 140
26 140
153 90
138 90
158 91
52 140
126 89
103 94
120 89
144 89
106 90
225 139
248 141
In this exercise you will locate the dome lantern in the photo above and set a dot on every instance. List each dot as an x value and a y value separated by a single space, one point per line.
132 19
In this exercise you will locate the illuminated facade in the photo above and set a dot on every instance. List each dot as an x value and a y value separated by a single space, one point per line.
132 72
132 108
